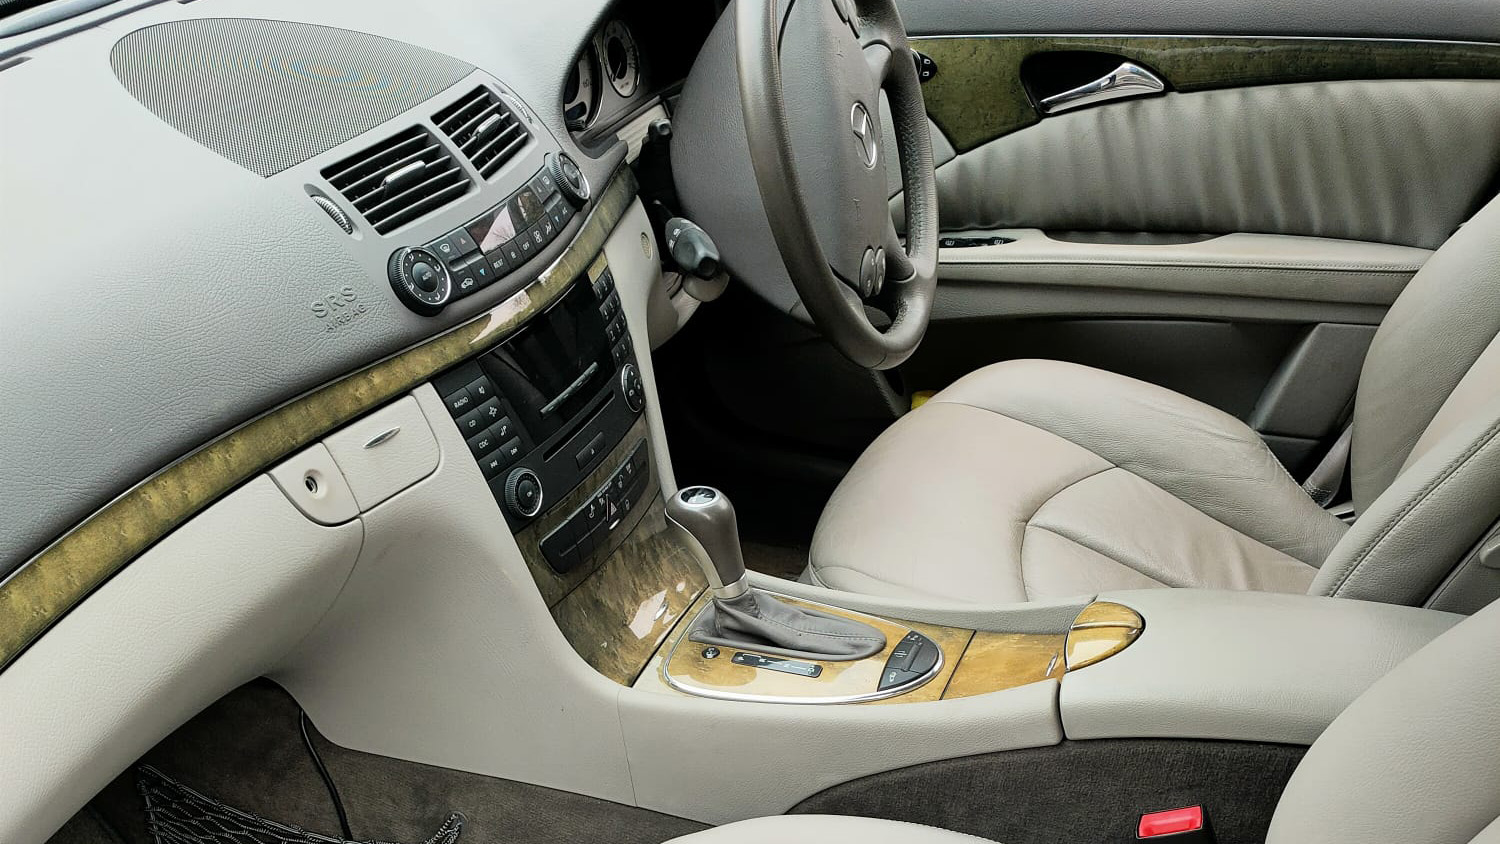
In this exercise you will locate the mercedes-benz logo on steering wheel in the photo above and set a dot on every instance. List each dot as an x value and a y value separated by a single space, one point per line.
865 134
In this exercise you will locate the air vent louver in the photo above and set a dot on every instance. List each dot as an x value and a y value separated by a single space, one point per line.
399 180
483 129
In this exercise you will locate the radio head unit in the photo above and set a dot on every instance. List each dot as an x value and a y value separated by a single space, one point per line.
541 410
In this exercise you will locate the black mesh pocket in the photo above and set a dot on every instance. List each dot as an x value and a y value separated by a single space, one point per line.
176 814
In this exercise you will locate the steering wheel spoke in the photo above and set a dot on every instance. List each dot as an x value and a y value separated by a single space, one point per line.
836 226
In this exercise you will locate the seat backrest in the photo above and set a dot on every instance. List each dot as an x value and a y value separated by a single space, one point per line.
1415 759
1426 458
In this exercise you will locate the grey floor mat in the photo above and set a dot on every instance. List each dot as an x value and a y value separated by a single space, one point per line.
246 750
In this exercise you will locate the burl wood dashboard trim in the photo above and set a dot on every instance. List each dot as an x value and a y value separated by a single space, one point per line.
978 96
57 579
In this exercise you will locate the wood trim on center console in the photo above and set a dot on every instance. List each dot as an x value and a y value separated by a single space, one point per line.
974 663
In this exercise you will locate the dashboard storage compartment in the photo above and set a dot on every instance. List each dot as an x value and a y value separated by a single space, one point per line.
385 452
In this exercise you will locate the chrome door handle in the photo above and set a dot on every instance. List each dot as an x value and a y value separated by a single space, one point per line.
1127 80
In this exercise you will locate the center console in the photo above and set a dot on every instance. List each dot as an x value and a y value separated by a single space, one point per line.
542 410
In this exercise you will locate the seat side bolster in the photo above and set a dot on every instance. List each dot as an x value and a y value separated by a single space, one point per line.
1424 524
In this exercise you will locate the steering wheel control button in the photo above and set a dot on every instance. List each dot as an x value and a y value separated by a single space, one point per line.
634 388
420 280
523 493
926 67
869 273
571 182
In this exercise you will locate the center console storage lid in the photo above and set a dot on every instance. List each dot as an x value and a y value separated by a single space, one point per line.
1242 666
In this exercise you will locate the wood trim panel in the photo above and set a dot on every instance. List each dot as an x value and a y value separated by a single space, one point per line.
995 662
553 586
974 663
977 95
620 615
847 678
54 581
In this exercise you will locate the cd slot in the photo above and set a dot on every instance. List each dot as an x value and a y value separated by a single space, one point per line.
588 417
550 407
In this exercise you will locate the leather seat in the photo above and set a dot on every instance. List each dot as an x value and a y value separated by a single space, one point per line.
1035 480
1411 760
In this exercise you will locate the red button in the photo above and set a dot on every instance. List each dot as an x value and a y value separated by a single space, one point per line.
1170 823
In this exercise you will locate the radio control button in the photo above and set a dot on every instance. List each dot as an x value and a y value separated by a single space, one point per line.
480 418
481 389
523 493
460 402
590 452
633 387
492 465
484 442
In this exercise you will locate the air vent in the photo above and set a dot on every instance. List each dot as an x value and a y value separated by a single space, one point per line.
399 180
484 130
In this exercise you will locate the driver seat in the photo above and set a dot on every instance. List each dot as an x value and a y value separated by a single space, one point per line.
1037 480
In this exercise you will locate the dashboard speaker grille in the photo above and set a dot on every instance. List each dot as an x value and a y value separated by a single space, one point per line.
268 95
400 179
485 130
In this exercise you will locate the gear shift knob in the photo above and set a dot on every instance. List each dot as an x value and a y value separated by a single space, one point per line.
706 518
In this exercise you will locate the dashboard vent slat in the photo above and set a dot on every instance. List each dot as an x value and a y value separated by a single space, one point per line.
399 180
484 129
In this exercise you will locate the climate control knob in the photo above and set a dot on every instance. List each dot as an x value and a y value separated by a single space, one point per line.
570 180
634 388
523 493
420 280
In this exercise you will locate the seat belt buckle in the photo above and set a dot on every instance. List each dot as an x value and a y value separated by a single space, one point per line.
1188 825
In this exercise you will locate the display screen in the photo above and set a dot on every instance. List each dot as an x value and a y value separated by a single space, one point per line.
554 366
493 230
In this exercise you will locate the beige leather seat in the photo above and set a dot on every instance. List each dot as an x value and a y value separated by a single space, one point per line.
1412 760
1034 479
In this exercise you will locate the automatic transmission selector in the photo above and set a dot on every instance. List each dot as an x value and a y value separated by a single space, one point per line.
744 617
707 519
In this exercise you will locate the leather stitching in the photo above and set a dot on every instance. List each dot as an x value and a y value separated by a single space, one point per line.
1388 529
1026 523
1101 552
1265 450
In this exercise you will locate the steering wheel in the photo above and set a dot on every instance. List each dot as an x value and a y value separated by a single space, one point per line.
810 77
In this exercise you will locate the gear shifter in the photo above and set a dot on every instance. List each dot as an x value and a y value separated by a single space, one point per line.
743 617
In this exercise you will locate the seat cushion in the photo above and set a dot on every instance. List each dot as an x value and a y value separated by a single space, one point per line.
1032 480
825 829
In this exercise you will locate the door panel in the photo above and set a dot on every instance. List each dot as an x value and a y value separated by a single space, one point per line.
1235 238
1401 162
